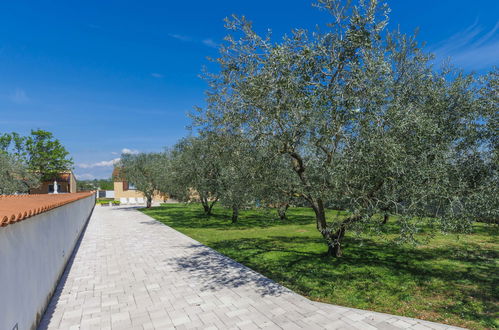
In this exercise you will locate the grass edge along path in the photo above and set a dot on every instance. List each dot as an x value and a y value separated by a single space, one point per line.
452 279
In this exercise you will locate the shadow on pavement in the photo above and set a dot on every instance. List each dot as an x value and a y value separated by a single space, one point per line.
215 271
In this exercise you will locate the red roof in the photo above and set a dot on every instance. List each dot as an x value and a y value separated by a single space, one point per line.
14 208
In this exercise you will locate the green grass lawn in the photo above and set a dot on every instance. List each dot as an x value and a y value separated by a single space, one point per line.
452 279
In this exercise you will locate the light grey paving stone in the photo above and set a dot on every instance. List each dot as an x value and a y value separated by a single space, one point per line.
386 326
420 327
211 327
132 272
148 326
402 324
121 317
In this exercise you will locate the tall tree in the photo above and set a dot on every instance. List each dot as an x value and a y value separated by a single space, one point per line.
195 170
46 155
39 151
361 115
145 171
237 177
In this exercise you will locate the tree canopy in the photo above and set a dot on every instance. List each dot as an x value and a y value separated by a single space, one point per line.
195 169
15 177
363 118
145 171
350 116
39 151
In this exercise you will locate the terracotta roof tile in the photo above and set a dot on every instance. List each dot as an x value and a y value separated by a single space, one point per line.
14 208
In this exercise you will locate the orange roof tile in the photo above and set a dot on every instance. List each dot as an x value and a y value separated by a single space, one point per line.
14 208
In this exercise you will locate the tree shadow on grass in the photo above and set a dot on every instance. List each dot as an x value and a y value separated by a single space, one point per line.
465 274
194 218
214 271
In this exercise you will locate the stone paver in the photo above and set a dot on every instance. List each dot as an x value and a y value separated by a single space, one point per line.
132 272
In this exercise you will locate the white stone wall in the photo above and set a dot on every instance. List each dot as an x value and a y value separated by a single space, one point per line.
33 255
109 193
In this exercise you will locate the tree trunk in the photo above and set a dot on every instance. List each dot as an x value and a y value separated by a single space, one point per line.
281 211
207 206
333 240
212 204
204 202
320 216
235 214
386 217
149 201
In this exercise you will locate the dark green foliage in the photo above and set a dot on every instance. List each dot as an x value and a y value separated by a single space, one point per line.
102 184
39 151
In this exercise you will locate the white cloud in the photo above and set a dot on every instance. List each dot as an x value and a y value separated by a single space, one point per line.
210 43
157 75
180 37
85 176
129 151
107 163
207 42
19 96
104 163
473 48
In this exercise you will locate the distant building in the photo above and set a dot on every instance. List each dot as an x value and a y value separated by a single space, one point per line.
124 189
66 183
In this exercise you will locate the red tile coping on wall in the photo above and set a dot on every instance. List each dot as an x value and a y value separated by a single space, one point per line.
14 208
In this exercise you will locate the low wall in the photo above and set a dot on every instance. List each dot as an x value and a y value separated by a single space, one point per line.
33 255
106 193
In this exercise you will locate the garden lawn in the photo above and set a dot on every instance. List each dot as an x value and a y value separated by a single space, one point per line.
451 279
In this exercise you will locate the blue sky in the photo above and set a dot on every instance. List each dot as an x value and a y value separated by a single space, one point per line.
113 76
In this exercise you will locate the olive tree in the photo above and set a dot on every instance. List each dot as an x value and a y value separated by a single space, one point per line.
359 112
195 171
274 181
226 168
237 178
15 177
145 171
478 169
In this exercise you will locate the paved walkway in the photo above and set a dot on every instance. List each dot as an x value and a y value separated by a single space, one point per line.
132 272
